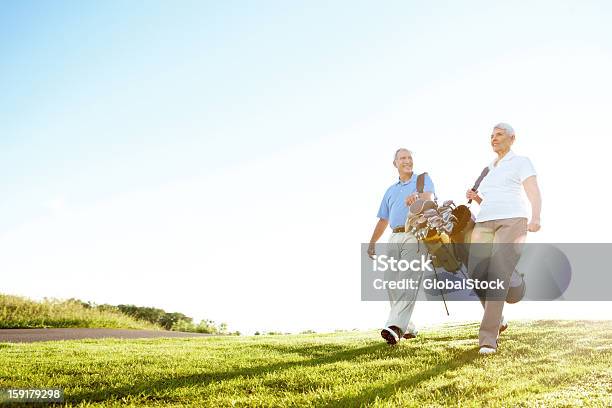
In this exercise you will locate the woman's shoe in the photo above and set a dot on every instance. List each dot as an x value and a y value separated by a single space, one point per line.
487 350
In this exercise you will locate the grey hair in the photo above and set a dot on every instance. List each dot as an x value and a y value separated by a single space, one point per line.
506 127
399 150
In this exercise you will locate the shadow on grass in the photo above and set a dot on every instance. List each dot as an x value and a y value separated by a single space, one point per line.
306 351
336 354
385 391
203 379
453 338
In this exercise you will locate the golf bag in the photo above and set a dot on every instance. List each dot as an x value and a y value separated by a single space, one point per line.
437 242
448 238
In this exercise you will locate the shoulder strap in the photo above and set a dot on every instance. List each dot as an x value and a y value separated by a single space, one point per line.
421 182
484 173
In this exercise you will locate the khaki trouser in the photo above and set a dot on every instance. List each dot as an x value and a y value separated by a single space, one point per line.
502 262
402 246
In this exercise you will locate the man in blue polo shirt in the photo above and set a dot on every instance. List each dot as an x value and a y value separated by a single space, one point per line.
393 212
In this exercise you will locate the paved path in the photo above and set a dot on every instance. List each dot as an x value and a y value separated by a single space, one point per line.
30 335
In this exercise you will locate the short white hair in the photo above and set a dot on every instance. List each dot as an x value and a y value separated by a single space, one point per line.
506 127
399 150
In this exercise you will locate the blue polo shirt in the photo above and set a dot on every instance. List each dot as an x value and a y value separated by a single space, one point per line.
393 206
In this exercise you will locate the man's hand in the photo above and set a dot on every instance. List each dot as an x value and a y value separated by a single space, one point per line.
473 195
381 225
534 225
372 250
411 199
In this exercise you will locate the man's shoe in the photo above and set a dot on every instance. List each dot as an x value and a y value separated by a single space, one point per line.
487 350
412 335
503 325
391 335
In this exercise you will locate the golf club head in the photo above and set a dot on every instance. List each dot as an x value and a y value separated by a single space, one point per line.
414 226
430 213
428 204
417 206
446 211
435 221
423 232
449 217
412 221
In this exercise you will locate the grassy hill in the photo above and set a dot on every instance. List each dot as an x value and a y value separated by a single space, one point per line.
541 363
19 312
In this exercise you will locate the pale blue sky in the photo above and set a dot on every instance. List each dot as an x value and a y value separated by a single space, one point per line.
103 97
168 126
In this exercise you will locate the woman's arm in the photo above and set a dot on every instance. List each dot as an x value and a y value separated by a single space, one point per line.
535 198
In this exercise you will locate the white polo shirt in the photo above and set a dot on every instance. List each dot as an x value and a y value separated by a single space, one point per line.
502 189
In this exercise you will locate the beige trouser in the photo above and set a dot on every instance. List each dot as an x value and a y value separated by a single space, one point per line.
402 246
502 262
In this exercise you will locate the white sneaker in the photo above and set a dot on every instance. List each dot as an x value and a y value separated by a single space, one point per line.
487 350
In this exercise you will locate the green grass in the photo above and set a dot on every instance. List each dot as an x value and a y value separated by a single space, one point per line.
538 364
18 312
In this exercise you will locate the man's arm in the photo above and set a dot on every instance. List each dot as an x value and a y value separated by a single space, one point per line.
535 199
381 225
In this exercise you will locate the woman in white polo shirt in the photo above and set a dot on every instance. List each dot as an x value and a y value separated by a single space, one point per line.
503 218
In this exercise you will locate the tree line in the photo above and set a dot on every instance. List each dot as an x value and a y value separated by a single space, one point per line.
167 320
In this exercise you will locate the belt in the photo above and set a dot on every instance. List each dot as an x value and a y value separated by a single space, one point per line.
399 229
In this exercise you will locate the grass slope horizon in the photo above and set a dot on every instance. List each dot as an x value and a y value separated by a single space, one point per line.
539 363
17 312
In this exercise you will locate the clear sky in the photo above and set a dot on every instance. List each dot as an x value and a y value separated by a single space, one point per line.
226 159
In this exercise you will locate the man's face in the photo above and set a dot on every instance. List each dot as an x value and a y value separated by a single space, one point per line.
500 141
403 162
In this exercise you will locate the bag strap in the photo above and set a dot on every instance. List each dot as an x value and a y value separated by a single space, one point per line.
421 182
484 173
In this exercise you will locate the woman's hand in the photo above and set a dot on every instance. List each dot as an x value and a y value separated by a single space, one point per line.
534 225
473 195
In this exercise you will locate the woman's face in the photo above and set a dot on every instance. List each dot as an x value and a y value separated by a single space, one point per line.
500 141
